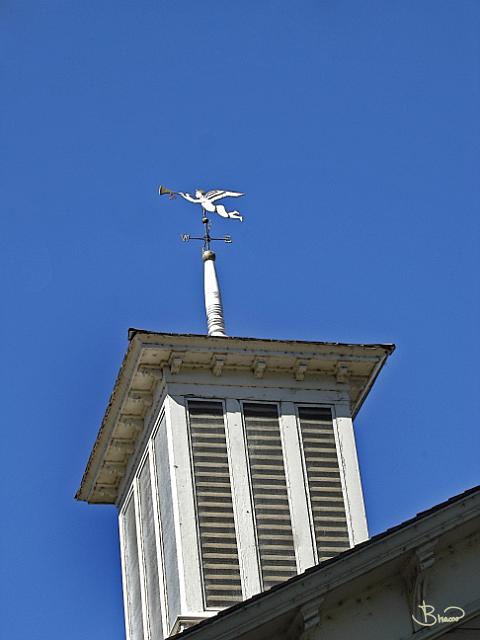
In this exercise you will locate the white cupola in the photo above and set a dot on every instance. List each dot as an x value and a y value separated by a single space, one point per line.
233 467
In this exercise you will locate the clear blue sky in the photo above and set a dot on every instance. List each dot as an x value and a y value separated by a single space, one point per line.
353 127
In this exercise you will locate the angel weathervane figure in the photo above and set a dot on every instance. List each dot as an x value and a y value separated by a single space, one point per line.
207 200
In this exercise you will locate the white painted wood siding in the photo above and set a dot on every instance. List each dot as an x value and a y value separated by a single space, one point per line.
132 592
167 522
149 553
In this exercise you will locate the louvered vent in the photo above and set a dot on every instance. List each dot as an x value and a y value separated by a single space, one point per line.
269 488
324 484
218 542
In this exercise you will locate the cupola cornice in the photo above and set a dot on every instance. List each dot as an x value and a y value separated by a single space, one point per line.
152 356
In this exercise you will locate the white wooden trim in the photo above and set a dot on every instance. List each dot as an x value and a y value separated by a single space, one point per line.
350 475
158 531
294 471
165 493
202 375
191 588
141 568
196 523
121 519
169 416
259 393
311 522
242 501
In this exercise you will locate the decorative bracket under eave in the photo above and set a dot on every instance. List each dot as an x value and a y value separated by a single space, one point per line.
152 373
217 364
416 575
306 618
259 367
300 369
341 372
175 362
132 425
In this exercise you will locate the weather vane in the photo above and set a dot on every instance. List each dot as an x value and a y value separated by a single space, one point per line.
207 200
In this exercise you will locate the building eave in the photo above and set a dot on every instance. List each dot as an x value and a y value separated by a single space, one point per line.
106 427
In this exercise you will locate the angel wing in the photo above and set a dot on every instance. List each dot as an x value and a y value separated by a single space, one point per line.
218 194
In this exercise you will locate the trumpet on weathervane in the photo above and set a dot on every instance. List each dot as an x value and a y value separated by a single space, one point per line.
163 191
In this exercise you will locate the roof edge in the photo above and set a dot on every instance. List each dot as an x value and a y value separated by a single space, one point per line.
132 332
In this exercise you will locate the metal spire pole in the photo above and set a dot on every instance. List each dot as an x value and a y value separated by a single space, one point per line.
213 298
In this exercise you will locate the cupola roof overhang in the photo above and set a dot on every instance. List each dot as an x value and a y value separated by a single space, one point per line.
151 356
